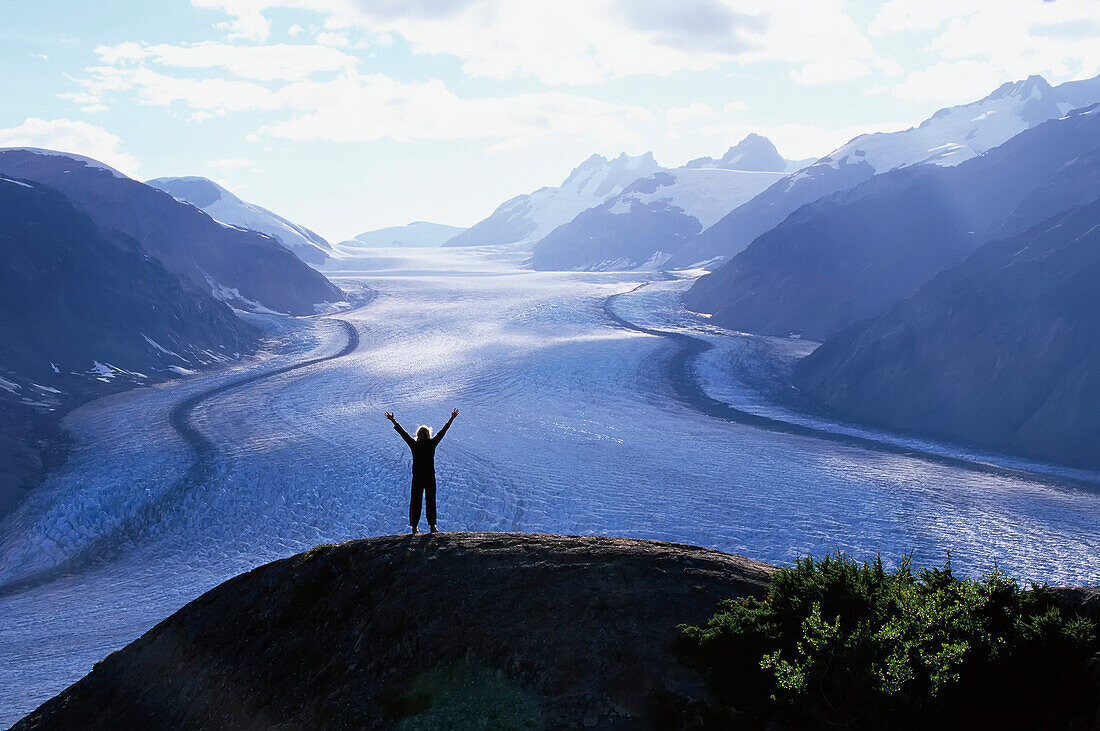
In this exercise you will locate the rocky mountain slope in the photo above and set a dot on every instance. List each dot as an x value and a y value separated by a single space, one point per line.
656 215
223 206
851 255
476 630
1002 351
417 233
85 312
949 137
531 216
753 153
244 268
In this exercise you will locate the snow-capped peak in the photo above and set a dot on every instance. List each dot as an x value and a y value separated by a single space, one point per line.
754 153
600 177
955 134
1033 87
226 208
89 162
530 217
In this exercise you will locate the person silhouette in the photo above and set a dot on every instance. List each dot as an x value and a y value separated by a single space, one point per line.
423 477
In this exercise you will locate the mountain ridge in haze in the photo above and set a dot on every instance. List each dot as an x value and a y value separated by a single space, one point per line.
417 233
655 215
531 216
86 312
250 270
222 205
849 256
1002 351
949 137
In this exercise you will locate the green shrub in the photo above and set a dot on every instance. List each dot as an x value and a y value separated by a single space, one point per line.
838 643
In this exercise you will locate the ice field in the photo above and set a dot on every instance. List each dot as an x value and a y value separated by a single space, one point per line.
574 419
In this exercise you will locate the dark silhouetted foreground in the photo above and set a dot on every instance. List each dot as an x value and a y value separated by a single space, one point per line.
481 629
423 478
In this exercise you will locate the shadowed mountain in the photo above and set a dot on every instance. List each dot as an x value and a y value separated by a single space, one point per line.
949 137
1002 351
244 268
655 216
418 233
531 216
755 153
853 254
223 206
85 312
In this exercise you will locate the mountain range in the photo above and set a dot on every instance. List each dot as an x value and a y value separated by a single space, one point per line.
949 137
655 215
224 207
86 311
1002 351
531 216
247 269
418 233
849 256
111 283
710 209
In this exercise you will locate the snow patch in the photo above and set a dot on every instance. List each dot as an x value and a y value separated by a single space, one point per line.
162 349
233 297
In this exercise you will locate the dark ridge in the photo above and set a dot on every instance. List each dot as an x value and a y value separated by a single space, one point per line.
503 630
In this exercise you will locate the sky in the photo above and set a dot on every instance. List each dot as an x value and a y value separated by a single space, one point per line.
351 115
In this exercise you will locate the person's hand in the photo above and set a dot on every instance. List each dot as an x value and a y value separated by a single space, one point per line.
389 415
454 414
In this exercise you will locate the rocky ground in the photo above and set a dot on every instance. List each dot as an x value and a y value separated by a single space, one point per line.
463 630
453 630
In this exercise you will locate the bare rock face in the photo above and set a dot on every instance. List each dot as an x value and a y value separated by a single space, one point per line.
490 630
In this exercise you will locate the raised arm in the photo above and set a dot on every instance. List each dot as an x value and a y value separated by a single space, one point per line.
404 434
446 426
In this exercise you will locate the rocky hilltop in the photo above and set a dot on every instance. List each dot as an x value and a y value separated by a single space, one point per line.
432 631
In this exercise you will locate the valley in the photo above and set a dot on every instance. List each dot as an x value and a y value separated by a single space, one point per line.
576 418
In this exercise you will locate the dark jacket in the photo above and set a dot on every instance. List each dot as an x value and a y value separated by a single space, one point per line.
423 451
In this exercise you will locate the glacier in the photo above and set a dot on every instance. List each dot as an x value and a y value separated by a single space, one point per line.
579 414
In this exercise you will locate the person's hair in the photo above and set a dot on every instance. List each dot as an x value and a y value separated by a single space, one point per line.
424 432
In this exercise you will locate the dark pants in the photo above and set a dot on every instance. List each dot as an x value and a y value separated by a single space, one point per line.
423 489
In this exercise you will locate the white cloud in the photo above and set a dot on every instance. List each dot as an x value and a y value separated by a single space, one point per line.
294 30
67 135
580 42
691 113
212 95
248 21
1017 37
335 39
898 16
888 66
956 81
272 62
230 163
356 107
819 72
375 106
